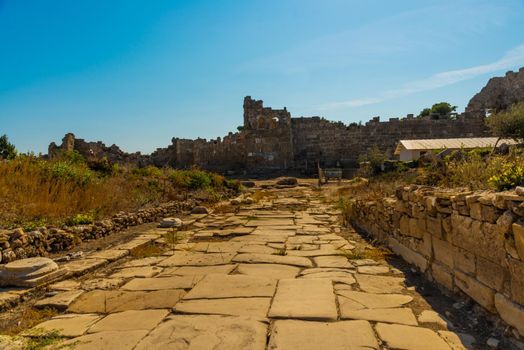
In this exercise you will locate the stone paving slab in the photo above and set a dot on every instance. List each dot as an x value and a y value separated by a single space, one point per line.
132 320
306 335
380 284
197 270
274 271
102 283
332 261
197 259
149 261
410 338
103 341
105 301
68 325
254 307
206 332
273 259
59 301
158 283
109 254
141 271
79 267
311 299
374 301
390 315
232 286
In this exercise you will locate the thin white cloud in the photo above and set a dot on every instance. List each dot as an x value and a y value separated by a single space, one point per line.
511 59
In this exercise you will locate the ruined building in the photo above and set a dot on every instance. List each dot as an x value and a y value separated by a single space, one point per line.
271 140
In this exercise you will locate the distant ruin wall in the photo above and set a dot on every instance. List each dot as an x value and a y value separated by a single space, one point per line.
464 241
335 143
271 140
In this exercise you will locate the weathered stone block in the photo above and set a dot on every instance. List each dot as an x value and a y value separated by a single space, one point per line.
404 225
442 275
407 254
476 290
518 234
475 211
464 261
491 274
434 226
417 227
477 237
516 272
444 252
510 312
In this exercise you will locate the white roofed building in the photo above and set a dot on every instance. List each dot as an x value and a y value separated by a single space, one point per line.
409 150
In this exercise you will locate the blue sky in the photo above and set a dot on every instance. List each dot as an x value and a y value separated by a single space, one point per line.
137 73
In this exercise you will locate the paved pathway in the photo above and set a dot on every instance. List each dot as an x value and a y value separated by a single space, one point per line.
275 275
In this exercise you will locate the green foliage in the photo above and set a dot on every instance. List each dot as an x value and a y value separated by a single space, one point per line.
510 176
233 185
73 157
79 219
441 108
103 166
148 171
508 124
424 113
66 171
7 149
194 179
372 162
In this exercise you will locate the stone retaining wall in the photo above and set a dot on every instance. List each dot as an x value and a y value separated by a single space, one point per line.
470 242
18 244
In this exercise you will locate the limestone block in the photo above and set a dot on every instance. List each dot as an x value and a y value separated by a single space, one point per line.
417 227
464 261
442 275
476 290
444 252
518 234
479 238
404 225
407 254
491 274
516 271
28 272
510 312
504 222
434 226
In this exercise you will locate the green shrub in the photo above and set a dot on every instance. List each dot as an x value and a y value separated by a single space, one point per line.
7 149
79 219
148 171
66 171
233 185
103 166
511 175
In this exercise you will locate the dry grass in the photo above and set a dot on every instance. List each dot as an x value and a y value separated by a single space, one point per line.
25 317
146 251
260 195
372 253
35 192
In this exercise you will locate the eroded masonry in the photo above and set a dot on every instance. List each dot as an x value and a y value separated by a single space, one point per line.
271 140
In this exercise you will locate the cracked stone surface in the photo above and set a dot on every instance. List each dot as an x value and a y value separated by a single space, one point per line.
276 274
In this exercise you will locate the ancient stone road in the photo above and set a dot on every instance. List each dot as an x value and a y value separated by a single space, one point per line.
275 275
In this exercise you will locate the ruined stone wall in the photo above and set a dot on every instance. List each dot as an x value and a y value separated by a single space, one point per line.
267 137
96 151
319 139
472 243
271 140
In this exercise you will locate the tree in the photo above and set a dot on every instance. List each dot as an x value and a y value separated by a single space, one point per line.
7 149
424 113
443 108
508 124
